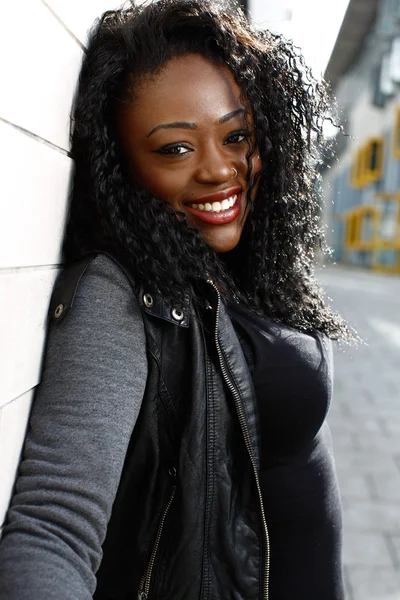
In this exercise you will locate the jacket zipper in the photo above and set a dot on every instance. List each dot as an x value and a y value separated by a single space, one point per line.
246 436
144 586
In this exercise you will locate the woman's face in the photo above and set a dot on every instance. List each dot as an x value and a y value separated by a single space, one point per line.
186 138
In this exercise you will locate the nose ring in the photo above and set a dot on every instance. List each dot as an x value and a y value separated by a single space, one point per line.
234 172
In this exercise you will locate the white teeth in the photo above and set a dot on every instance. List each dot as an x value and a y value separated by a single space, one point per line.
216 206
225 204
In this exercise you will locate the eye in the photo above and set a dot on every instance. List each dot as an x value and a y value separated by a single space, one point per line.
237 137
174 150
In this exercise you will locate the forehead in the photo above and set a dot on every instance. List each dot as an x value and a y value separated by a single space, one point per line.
189 88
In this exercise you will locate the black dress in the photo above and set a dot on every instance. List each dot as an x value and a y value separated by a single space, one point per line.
292 376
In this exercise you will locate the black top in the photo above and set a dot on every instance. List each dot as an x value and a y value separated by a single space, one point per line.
292 376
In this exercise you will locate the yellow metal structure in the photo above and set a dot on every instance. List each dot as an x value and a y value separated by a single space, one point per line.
358 171
355 225
368 163
365 231
396 135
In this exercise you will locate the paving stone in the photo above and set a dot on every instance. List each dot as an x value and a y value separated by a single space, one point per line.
343 441
377 583
366 549
358 403
367 462
387 488
392 386
365 421
391 427
347 584
354 423
394 541
372 516
377 442
353 485
387 412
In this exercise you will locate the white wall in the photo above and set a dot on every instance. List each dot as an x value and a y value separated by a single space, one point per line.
41 53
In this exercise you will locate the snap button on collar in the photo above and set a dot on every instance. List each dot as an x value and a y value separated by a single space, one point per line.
177 314
148 300
59 310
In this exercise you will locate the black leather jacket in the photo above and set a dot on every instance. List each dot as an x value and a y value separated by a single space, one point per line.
188 521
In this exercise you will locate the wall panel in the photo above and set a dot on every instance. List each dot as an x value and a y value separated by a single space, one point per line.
33 190
79 16
24 300
40 62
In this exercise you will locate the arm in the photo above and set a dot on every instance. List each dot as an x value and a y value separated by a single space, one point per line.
82 418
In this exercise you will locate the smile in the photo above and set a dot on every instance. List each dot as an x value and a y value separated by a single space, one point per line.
217 206
217 212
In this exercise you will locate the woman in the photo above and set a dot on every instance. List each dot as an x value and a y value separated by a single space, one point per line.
177 446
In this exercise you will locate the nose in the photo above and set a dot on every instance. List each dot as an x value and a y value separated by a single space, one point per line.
214 166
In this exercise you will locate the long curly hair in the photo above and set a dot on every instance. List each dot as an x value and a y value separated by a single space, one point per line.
272 268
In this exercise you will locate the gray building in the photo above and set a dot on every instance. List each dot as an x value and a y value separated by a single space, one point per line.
362 183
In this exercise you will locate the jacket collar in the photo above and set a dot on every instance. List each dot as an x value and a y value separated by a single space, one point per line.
153 303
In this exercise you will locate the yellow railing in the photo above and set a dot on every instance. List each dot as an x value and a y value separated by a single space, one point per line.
365 231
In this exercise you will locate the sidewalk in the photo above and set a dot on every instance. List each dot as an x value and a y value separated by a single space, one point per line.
365 426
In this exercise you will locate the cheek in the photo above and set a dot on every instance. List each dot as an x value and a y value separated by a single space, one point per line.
164 183
256 167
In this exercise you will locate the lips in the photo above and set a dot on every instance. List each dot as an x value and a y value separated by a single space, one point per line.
218 196
217 209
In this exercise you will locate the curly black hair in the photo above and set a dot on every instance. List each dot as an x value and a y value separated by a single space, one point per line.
272 268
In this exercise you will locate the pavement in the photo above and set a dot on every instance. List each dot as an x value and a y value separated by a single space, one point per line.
365 425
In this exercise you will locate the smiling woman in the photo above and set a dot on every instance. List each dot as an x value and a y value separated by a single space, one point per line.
177 446
190 149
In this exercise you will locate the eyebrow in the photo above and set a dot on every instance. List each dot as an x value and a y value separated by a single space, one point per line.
187 125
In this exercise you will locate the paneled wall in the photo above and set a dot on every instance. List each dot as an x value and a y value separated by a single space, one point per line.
41 46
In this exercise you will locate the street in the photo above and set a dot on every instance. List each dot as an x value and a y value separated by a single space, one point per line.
365 425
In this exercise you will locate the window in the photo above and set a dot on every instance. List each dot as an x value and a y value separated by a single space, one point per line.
374 159
361 224
368 163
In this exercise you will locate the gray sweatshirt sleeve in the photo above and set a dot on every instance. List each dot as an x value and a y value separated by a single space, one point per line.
83 415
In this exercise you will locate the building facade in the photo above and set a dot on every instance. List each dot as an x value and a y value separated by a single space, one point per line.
362 183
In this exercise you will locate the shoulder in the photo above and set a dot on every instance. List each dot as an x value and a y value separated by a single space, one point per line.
93 309
106 281
94 284
327 352
99 325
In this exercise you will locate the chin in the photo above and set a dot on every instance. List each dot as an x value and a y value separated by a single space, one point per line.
222 244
